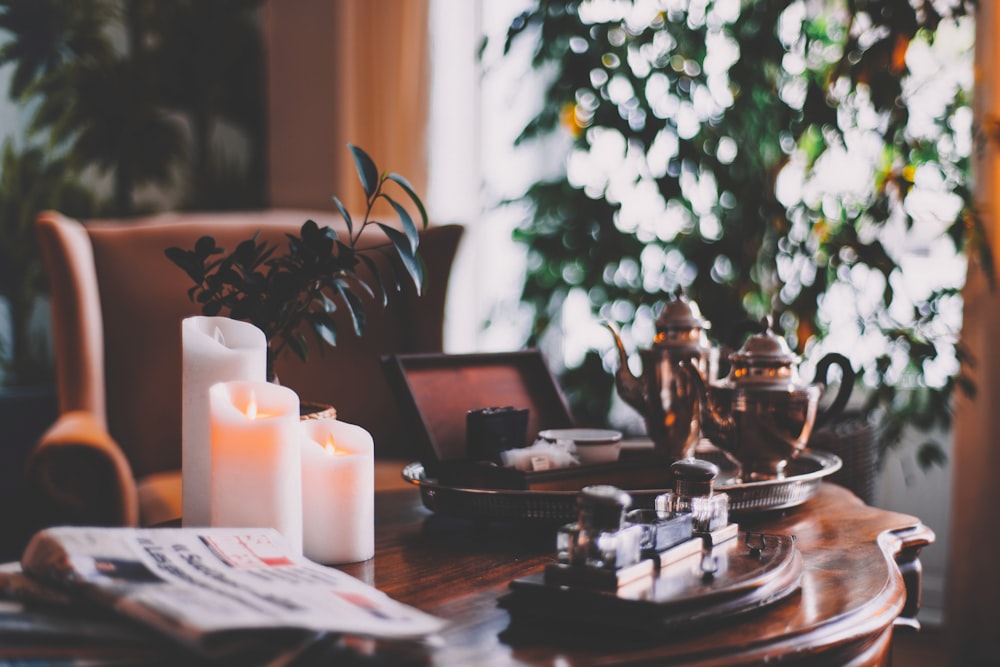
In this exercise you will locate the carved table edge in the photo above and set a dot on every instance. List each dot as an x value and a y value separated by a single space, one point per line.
843 642
906 547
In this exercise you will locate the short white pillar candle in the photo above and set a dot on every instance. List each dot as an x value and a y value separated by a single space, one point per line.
338 492
215 349
256 458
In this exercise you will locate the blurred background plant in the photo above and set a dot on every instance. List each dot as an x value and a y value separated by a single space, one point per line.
29 182
124 103
808 159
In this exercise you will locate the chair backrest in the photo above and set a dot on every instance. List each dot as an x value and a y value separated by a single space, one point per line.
118 302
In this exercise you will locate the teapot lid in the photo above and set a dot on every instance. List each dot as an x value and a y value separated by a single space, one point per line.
765 358
680 313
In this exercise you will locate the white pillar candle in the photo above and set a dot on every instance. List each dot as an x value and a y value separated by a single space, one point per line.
338 492
215 349
256 476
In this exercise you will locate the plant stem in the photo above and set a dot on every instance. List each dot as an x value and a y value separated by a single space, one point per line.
370 204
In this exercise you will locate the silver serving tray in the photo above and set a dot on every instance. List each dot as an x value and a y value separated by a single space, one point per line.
801 482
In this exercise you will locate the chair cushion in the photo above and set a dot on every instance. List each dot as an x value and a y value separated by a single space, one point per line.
160 498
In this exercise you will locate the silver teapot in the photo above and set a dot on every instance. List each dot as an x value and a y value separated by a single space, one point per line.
763 413
667 394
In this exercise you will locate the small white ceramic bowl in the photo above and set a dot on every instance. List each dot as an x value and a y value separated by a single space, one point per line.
593 445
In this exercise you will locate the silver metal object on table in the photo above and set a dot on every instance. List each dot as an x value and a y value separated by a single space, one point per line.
802 478
763 413
666 394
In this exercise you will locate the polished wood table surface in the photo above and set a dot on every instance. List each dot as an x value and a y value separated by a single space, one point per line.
861 579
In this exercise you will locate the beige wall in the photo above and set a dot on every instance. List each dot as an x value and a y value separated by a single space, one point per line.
351 71
302 96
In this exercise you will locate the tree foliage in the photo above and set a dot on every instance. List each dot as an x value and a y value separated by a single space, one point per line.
702 135
128 92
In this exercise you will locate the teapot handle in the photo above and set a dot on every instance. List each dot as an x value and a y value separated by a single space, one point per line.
846 384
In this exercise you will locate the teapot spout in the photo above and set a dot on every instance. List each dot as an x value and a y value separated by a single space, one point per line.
717 422
628 385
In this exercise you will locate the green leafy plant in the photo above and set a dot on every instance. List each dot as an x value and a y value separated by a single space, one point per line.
706 111
109 90
142 109
29 182
282 294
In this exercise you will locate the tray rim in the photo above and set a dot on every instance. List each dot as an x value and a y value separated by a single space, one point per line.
827 462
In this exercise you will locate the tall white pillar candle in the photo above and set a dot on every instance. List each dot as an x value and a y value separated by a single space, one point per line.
338 492
256 458
215 349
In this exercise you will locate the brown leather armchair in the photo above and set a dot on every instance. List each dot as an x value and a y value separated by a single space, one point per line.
113 457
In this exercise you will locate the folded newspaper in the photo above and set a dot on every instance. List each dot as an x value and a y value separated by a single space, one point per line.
216 590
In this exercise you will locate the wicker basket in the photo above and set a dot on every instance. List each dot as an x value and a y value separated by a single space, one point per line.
309 410
853 437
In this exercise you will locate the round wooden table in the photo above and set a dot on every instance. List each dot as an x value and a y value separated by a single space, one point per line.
861 579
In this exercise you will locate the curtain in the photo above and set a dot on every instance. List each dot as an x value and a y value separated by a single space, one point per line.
351 71
973 584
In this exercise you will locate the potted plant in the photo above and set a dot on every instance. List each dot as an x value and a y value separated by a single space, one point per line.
286 293
726 118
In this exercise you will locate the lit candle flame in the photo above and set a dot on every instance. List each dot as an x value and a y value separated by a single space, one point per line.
253 412
252 405
331 449
219 338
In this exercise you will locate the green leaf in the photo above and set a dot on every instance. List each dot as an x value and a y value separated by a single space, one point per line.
355 308
303 347
381 293
346 216
408 226
930 454
245 253
423 272
188 261
309 231
298 344
324 327
394 269
205 246
405 184
402 245
264 256
367 171
352 283
329 305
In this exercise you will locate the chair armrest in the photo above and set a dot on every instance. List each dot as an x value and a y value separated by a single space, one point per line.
77 474
77 325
